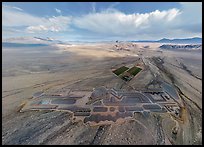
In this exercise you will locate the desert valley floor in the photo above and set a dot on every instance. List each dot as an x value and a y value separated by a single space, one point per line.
61 68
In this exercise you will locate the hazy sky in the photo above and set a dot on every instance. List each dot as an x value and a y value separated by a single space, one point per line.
95 21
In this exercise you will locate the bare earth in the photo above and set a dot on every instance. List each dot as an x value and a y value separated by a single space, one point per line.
26 71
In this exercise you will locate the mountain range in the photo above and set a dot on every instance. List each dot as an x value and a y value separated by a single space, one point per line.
32 40
47 40
195 40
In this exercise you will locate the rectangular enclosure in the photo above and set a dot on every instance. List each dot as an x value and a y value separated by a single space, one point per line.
120 70
134 70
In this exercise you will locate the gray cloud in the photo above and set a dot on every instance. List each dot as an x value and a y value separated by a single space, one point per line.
112 23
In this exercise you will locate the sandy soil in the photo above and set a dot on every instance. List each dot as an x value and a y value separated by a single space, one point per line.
26 71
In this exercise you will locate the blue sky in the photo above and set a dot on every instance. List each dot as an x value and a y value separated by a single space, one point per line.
99 21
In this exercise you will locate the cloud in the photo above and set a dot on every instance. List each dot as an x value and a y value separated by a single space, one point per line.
32 24
118 23
11 7
58 11
10 31
172 23
112 23
39 28
93 6
53 24
191 17
113 5
12 17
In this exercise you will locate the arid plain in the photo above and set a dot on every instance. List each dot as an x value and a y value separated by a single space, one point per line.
27 70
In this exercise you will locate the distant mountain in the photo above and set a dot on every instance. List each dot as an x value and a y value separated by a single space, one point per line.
32 40
181 47
48 39
195 40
